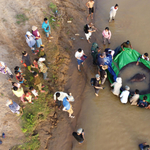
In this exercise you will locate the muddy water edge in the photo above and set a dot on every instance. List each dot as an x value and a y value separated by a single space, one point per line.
109 124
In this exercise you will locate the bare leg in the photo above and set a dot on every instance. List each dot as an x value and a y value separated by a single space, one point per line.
79 68
92 16
88 16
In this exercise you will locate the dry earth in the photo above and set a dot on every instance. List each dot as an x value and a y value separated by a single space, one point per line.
13 43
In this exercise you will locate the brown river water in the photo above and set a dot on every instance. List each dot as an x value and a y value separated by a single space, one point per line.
108 124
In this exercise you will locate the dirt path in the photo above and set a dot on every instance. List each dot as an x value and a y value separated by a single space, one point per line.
108 124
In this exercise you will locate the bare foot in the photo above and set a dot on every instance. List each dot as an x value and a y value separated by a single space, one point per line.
96 94
42 91
49 41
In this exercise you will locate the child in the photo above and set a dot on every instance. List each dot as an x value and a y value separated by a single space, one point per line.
37 82
14 84
124 95
42 53
18 69
28 96
106 34
19 77
35 64
34 92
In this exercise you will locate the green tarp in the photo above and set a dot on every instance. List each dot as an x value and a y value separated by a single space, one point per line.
124 58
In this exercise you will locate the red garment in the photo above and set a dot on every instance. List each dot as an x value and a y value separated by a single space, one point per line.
36 34
19 77
35 64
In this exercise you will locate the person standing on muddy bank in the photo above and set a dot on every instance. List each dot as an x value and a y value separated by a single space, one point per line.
5 70
80 56
113 11
47 29
37 35
106 35
79 135
68 107
88 29
90 6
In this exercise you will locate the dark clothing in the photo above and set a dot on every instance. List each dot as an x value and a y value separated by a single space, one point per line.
91 10
98 84
103 73
143 147
124 44
142 104
86 28
94 52
100 61
117 51
79 138
26 60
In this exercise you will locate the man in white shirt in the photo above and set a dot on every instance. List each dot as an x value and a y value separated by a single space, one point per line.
60 96
113 11
124 95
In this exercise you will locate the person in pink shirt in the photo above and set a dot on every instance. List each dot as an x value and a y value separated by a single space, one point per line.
106 34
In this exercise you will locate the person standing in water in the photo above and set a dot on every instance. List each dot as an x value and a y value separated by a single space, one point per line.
113 11
106 34
90 5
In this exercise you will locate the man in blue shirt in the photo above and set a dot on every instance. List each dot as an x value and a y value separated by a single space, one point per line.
47 29
67 107
144 146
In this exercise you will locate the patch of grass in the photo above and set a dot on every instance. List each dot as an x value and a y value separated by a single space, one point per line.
21 18
71 19
53 7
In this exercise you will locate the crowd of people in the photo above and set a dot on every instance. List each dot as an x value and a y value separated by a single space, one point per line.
102 60
20 88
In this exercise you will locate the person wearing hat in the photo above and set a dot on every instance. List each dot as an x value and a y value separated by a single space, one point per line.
124 95
37 35
14 107
37 82
97 84
103 74
106 35
117 85
68 107
30 39
43 68
47 29
79 135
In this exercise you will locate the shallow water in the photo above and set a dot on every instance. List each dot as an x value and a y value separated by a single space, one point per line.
109 124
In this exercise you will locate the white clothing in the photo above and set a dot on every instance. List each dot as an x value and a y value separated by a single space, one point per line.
34 92
79 55
88 35
7 69
113 12
124 96
117 86
63 95
134 99
144 57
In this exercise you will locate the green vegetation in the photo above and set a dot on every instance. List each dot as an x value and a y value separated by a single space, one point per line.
53 7
21 18
32 115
